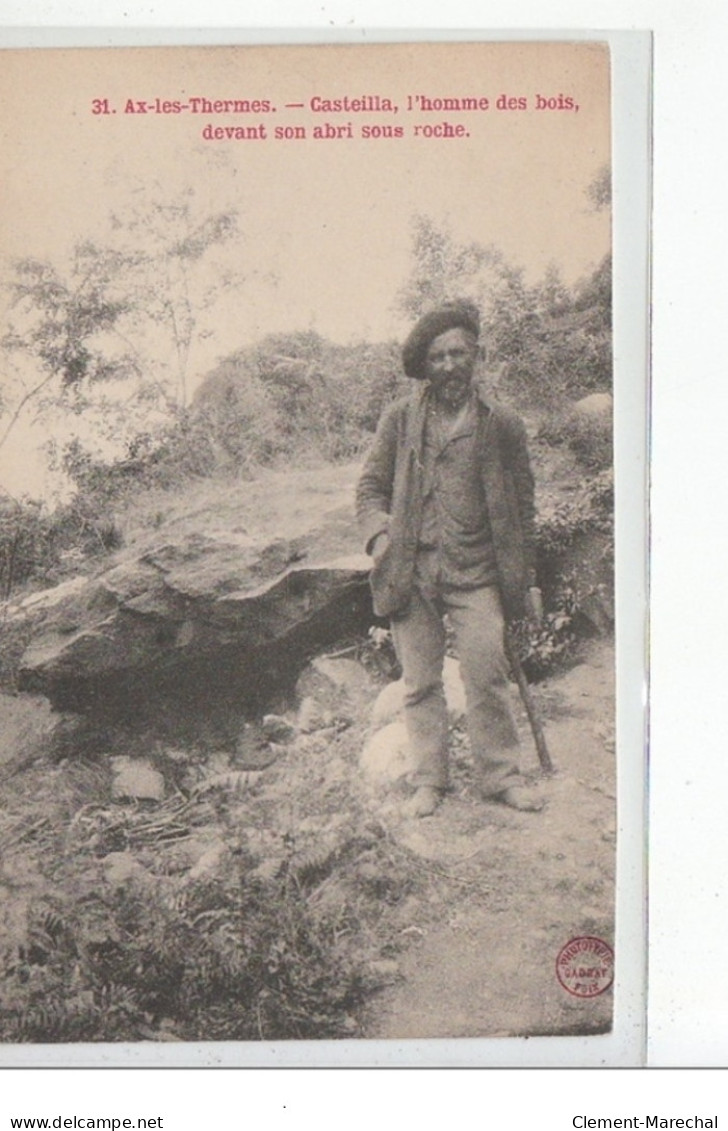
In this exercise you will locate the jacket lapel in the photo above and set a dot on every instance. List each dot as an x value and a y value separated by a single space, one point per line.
417 417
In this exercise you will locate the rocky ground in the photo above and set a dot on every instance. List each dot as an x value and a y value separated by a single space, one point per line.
454 922
204 837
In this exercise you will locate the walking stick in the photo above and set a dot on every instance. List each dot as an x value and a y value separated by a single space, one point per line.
531 710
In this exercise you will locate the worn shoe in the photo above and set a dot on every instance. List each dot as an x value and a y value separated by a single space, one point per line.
521 797
424 801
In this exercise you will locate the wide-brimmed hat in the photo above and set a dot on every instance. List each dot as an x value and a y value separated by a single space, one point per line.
459 314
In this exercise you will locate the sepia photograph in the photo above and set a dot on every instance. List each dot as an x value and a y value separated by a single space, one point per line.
307 525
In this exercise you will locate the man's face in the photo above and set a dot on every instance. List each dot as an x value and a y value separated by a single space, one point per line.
449 365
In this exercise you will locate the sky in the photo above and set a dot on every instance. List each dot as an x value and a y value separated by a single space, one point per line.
324 225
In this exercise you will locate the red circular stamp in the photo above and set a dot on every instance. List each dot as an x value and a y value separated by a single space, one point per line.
585 966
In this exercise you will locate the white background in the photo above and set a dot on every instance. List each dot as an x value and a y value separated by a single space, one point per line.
689 768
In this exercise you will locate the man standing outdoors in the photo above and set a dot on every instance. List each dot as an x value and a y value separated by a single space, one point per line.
446 506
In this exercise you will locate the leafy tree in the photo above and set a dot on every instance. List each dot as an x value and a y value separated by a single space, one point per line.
296 393
550 342
167 246
110 334
599 191
61 321
443 269
545 341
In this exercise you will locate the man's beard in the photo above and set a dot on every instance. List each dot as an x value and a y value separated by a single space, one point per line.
453 392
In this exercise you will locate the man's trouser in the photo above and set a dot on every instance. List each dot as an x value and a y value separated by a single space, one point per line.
419 639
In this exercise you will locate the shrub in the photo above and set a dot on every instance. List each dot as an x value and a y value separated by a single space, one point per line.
588 510
219 958
587 435
28 544
575 546
297 394
545 647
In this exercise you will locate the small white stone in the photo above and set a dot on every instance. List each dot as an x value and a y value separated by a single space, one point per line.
386 755
389 704
121 867
137 780
209 861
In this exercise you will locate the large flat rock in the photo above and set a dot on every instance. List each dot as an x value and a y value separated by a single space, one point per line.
202 602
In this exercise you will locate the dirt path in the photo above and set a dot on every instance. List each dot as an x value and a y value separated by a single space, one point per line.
510 889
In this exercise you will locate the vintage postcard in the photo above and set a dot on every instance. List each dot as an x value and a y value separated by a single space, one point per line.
309 737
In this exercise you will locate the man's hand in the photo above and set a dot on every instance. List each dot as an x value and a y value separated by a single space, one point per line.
378 547
534 605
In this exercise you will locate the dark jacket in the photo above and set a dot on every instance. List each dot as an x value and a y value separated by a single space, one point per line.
389 498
